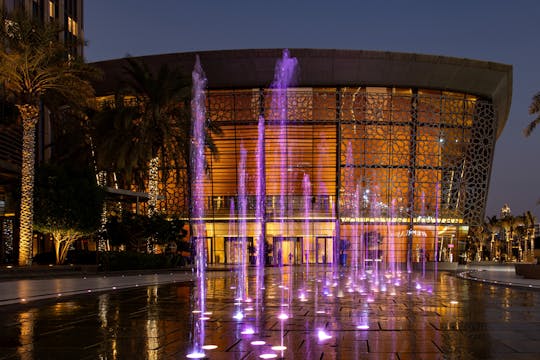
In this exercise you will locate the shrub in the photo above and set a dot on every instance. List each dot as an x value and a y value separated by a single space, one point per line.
129 260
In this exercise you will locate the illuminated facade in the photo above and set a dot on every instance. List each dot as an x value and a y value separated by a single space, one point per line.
397 149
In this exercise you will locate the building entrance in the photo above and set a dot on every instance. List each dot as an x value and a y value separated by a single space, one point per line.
323 249
233 249
287 250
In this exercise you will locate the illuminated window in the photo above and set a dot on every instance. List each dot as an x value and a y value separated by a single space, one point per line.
51 9
72 26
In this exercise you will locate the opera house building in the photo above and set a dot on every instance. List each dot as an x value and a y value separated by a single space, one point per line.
385 153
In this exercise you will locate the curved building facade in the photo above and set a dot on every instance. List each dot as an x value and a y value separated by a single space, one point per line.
385 153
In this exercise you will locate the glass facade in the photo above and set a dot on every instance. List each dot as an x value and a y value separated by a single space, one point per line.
399 170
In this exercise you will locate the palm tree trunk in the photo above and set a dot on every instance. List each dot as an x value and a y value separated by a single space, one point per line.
29 116
153 190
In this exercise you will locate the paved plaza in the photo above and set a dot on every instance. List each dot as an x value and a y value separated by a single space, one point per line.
150 316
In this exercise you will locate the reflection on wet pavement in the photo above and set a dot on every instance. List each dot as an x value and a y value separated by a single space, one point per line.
451 318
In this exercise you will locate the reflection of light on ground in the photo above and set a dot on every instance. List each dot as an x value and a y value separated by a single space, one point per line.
26 337
209 347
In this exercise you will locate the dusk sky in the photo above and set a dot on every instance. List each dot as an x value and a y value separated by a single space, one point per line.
491 30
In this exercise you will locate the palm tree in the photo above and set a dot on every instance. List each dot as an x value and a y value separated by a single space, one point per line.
35 71
530 221
534 109
152 111
156 96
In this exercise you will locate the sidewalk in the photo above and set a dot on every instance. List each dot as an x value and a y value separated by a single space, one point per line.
497 274
37 284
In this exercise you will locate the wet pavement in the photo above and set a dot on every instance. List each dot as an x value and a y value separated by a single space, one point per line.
419 318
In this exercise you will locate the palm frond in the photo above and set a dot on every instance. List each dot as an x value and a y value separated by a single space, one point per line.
531 126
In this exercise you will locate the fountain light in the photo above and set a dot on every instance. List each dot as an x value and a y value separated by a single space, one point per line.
203 318
196 355
323 335
258 343
238 315
268 356
363 327
279 348
248 331
453 302
283 316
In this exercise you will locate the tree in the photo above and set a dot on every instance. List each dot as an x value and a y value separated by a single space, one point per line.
68 205
152 110
133 231
534 109
34 71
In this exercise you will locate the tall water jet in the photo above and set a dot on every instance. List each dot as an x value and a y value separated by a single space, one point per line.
260 205
306 188
198 115
242 214
356 239
283 76
391 243
232 247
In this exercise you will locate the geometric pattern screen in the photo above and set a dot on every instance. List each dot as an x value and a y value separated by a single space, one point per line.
400 153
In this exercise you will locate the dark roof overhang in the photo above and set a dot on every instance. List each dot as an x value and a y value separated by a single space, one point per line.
323 67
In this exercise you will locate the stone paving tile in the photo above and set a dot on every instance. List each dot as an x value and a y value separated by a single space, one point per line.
458 320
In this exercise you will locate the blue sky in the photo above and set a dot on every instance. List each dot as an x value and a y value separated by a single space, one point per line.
492 30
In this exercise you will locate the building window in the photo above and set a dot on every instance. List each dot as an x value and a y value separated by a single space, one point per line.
72 26
52 13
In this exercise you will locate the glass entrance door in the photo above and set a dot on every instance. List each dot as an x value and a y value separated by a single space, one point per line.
287 250
233 250
323 249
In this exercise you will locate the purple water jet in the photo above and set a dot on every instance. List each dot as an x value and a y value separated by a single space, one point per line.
242 214
198 114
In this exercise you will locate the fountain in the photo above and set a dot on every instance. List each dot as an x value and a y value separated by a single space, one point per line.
198 173
372 272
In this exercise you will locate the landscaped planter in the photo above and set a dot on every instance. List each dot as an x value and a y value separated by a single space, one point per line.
528 271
